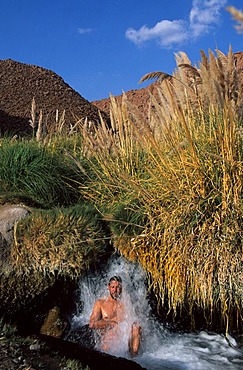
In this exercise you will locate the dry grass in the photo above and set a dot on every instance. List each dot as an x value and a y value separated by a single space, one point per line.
51 133
169 186
188 185
59 241
191 246
237 16
211 83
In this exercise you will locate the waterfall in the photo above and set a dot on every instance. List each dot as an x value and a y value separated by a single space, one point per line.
160 349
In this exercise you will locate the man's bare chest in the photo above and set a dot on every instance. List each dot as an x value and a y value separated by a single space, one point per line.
111 310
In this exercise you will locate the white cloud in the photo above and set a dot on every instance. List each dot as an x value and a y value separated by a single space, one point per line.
84 30
204 15
166 32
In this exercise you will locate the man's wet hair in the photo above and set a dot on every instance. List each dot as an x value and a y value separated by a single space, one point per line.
116 278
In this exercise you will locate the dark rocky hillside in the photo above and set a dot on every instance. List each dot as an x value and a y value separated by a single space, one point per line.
20 83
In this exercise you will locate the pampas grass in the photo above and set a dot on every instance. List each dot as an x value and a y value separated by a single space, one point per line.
179 173
209 84
237 16
169 185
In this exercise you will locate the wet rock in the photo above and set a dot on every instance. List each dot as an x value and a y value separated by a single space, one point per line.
53 325
94 359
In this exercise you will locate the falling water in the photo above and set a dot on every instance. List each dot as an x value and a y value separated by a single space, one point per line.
160 348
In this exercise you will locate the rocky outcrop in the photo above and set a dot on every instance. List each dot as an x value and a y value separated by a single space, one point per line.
139 98
20 83
54 325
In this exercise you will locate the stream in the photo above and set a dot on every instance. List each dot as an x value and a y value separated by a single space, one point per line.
160 348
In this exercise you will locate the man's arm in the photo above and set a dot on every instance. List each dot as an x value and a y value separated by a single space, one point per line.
96 320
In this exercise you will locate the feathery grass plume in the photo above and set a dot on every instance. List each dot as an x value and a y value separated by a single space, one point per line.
47 131
215 79
116 163
60 121
63 241
191 246
54 129
43 131
60 131
32 121
39 132
177 177
237 16
159 76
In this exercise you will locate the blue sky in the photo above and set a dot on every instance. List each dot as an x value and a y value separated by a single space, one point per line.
103 47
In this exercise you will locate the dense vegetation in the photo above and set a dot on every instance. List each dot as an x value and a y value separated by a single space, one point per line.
171 187
166 189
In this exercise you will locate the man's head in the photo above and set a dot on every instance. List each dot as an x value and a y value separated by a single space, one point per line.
115 286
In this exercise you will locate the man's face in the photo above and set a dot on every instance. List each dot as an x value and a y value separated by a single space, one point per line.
115 289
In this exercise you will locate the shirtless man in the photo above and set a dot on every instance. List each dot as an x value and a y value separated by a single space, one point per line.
108 313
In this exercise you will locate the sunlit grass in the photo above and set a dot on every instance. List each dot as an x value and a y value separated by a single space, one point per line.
168 185
180 175
62 241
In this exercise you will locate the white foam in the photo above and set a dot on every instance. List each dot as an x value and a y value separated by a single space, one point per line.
161 349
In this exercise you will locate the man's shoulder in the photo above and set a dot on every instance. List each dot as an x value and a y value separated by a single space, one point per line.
100 301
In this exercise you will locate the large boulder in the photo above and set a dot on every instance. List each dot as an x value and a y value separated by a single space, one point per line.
9 216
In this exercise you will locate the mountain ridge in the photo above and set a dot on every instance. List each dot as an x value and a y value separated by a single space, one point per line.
20 83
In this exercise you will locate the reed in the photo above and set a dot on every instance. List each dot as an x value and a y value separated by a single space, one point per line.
177 177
